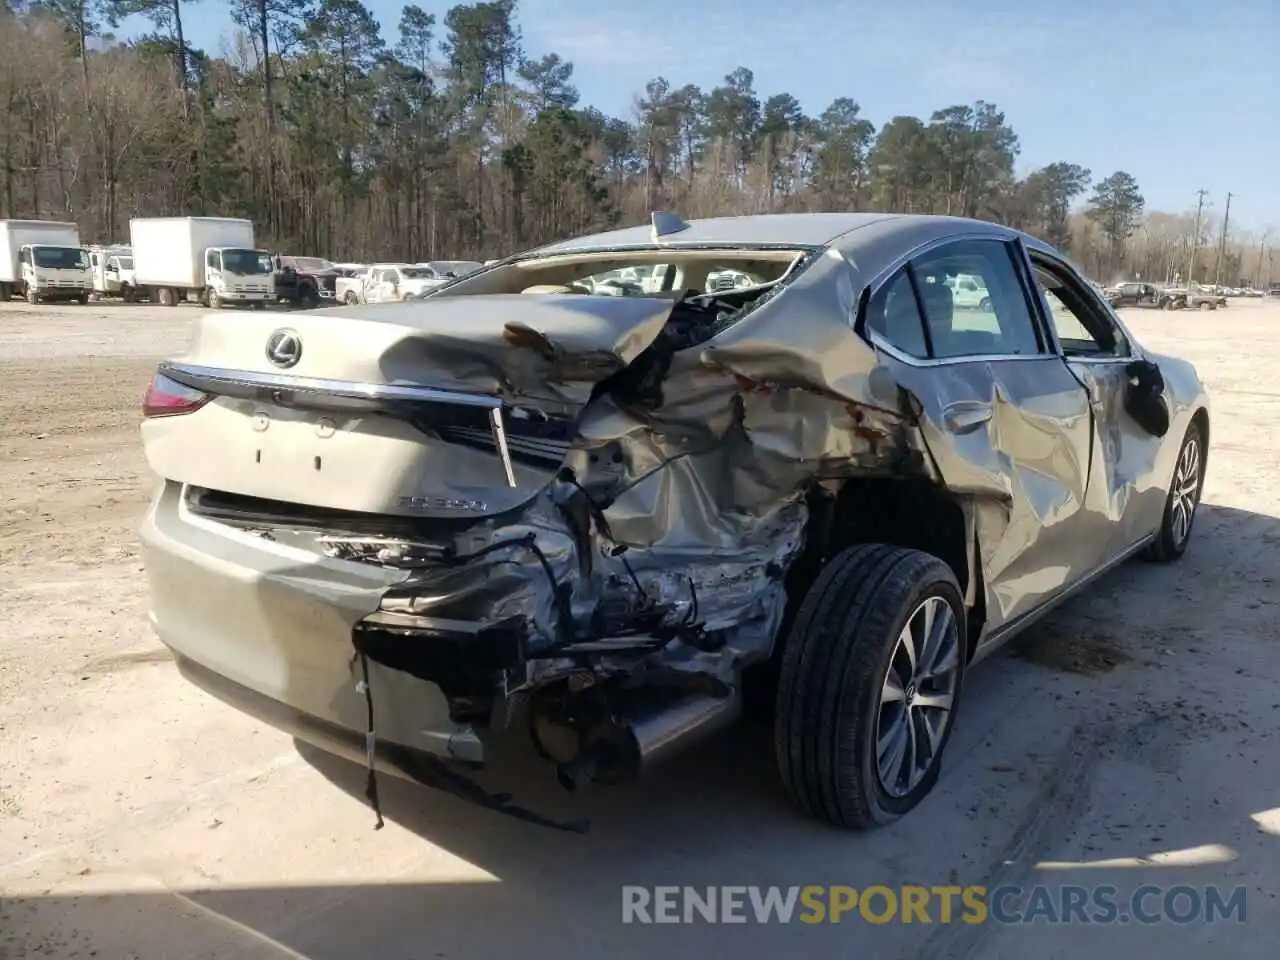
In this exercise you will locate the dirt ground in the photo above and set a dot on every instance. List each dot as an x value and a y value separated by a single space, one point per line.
1124 741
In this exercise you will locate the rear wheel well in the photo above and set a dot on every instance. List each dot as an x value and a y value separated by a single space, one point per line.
1201 419
911 513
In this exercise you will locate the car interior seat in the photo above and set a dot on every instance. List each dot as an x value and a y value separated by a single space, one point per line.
902 324
939 313
544 288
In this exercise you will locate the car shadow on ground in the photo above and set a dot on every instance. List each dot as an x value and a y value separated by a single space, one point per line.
1070 741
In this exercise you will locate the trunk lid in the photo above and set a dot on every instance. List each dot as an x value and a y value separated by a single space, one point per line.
449 408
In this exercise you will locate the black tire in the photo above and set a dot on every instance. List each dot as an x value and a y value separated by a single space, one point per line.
83 299
1168 544
984 304
32 297
350 298
834 665
212 299
166 298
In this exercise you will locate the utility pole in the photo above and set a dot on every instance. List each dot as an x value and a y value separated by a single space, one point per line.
1257 271
1222 243
1195 238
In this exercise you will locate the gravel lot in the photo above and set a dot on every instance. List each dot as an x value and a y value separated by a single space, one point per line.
1122 742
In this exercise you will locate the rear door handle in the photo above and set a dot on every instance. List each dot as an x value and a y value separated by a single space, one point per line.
966 416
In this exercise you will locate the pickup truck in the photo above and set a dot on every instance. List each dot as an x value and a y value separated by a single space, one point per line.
1136 294
305 281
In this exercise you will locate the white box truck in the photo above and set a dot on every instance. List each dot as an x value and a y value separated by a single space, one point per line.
211 260
112 270
43 260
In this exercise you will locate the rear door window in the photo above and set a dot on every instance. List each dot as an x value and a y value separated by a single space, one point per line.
999 324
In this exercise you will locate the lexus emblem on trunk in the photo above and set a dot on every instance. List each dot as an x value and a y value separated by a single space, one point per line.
284 348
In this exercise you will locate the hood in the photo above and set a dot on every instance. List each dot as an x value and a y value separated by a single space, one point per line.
552 348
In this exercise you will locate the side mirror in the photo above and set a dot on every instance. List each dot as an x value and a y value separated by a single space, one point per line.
1144 397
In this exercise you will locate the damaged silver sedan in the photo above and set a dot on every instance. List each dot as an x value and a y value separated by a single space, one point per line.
522 503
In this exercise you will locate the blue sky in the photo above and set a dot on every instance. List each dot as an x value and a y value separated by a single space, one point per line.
1182 95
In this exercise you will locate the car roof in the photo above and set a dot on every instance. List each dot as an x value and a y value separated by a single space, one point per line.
800 229
878 233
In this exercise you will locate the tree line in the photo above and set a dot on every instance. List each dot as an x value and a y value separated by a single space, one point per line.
455 141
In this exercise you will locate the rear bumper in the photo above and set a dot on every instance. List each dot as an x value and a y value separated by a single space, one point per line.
316 731
268 628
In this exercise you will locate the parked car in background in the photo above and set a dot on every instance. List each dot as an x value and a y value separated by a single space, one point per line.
349 283
111 266
1200 298
723 281
1137 294
305 281
42 261
210 260
392 282
600 509
969 292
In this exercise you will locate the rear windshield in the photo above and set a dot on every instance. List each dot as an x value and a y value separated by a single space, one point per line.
60 258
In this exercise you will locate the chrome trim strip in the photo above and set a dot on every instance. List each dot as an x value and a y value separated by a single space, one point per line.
881 344
346 389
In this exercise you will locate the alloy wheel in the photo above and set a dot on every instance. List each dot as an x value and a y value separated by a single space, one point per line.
917 695
1185 495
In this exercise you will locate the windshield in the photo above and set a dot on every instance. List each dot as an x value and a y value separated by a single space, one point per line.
246 262
60 258
125 263
310 264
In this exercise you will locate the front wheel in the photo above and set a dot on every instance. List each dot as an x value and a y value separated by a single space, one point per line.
985 304
212 298
1184 496
870 682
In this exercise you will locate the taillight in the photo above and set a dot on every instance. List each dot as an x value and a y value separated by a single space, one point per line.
168 398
